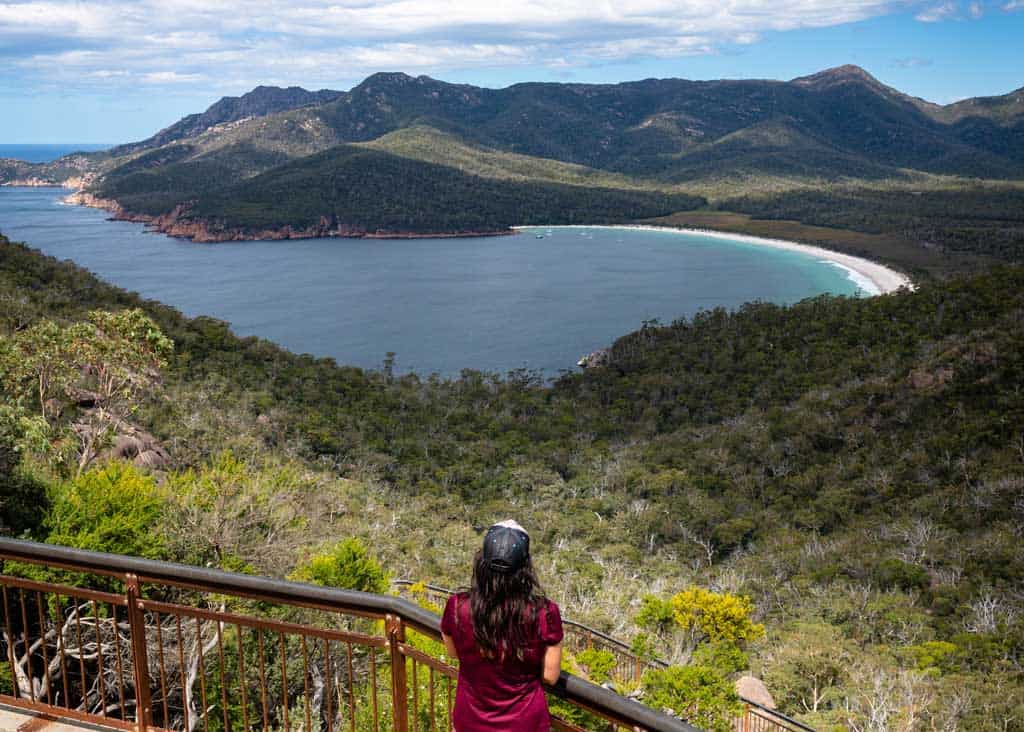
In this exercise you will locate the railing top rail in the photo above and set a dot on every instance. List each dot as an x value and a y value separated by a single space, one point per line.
300 594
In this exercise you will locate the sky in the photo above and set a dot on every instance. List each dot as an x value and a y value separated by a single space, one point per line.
111 71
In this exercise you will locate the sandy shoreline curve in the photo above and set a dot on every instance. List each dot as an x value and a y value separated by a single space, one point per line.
873 278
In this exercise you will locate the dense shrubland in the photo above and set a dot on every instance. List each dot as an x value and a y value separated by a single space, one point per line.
855 468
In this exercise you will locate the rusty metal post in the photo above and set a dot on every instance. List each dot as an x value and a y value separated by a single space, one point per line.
140 654
399 686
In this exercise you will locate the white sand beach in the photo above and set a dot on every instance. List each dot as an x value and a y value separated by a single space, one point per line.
871 277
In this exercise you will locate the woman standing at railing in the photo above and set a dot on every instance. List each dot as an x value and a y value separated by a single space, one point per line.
507 637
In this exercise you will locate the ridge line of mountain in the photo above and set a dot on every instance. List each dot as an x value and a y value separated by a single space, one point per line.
402 155
276 99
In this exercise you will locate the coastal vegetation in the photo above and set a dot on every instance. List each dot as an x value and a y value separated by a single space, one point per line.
826 495
357 190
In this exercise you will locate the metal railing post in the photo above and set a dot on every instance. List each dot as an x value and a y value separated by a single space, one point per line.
399 684
140 653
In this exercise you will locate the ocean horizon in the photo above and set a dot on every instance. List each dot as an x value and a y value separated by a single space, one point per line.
46 152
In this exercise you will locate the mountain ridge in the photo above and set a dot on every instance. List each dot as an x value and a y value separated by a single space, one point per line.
706 139
259 102
265 100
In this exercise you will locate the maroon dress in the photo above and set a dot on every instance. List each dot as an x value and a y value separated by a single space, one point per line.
500 696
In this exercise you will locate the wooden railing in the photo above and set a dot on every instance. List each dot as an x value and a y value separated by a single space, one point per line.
130 643
630 666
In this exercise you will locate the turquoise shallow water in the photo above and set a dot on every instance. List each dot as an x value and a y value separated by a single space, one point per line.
492 303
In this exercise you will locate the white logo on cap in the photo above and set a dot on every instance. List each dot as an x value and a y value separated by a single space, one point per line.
511 524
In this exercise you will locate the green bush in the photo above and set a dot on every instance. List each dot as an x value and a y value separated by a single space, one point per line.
115 508
934 655
644 646
595 665
726 658
698 694
346 565
892 573
733 533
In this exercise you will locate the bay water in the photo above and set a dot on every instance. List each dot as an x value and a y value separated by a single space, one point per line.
441 305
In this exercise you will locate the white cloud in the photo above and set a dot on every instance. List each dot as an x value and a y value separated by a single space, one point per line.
911 62
170 77
337 42
976 10
937 12
1014 5
76 20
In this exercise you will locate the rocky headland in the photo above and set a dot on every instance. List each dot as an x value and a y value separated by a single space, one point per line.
179 224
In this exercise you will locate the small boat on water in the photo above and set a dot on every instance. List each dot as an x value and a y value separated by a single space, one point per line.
540 236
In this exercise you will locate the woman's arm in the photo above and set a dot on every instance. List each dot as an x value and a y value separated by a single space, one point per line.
449 646
552 664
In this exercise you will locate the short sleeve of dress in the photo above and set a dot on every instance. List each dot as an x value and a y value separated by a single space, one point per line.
551 625
448 619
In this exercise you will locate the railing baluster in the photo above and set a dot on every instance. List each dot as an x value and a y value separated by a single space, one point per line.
26 646
181 672
329 685
241 676
284 682
305 683
205 710
352 683
10 643
163 673
81 660
432 714
120 662
223 679
46 658
415 697
58 619
373 688
449 702
99 658
263 679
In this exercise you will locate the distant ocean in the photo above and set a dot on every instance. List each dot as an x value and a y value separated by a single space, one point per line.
45 153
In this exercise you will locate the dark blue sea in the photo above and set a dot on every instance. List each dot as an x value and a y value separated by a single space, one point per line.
442 305
45 153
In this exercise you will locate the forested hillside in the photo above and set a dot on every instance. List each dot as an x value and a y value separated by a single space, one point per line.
353 190
854 467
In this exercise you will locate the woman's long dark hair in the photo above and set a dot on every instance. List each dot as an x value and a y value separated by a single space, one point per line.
504 607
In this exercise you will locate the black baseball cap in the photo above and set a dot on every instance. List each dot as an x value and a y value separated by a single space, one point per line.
506 547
